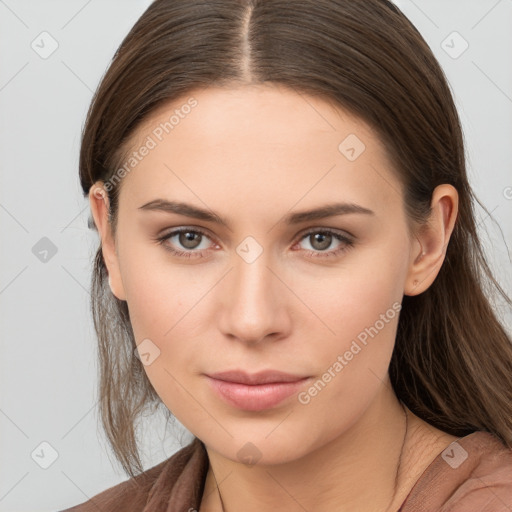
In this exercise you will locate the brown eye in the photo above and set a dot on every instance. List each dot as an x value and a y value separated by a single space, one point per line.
189 239
321 241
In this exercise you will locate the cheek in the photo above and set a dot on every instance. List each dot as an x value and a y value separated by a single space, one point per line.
161 301
159 292
165 300
359 314
364 287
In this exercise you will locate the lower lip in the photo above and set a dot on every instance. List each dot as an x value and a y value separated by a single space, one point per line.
256 397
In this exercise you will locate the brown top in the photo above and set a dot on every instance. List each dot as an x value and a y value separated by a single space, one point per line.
473 474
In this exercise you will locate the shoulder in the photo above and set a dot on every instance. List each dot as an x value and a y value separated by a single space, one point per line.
474 473
181 477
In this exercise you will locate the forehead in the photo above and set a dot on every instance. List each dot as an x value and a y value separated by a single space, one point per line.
260 144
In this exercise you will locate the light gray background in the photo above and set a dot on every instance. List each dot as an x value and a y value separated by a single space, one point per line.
48 349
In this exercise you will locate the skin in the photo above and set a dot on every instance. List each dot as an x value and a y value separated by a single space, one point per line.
254 154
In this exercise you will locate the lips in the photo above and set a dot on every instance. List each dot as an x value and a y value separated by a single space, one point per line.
263 377
255 392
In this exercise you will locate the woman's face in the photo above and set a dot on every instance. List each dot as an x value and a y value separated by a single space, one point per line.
270 287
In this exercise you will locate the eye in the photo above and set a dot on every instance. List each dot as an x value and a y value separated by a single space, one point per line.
189 239
321 239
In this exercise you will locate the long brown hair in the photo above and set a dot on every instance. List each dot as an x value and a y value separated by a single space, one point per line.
453 358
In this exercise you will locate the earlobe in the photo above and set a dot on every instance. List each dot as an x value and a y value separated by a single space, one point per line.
100 209
431 241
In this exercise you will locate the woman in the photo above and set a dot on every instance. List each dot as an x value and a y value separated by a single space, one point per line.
289 263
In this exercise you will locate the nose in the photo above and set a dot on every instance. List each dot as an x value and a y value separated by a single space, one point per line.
254 303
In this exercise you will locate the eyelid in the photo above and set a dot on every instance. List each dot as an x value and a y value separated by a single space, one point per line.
325 229
183 227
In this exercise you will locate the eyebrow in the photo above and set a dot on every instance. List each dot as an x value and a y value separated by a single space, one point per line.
188 210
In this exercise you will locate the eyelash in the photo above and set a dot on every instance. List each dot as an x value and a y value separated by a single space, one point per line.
348 243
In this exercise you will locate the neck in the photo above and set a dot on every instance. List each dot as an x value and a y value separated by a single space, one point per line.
360 470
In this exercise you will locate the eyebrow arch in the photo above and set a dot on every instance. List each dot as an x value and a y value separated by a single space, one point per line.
188 210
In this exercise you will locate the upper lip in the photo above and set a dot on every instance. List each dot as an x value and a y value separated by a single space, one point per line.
262 377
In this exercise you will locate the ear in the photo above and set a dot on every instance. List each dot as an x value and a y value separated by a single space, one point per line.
100 208
431 240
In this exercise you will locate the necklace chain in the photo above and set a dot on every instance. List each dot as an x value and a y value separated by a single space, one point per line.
397 469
